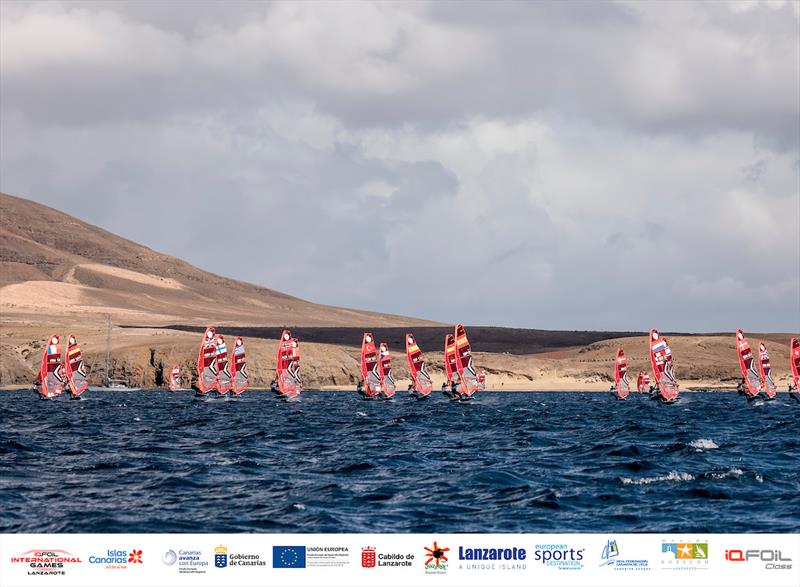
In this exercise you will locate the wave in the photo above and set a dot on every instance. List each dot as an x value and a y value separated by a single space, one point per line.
703 444
672 476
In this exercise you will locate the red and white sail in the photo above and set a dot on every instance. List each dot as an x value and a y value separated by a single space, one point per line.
287 369
794 361
369 366
175 378
239 380
769 387
482 380
50 381
224 381
76 371
747 363
643 382
450 359
621 375
661 362
207 362
464 366
416 365
388 388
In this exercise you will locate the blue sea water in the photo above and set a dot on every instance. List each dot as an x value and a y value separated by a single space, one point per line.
330 462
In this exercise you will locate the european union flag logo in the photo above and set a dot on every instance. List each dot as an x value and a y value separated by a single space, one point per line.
288 557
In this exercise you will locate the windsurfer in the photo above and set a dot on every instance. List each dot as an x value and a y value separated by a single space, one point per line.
273 386
360 387
741 389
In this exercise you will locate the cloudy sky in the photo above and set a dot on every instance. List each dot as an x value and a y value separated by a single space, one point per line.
588 166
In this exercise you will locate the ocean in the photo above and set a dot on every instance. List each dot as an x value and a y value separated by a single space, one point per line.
156 461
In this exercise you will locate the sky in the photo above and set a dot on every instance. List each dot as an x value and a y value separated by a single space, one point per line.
547 165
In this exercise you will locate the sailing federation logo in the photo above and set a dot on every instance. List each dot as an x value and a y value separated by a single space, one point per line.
220 557
610 557
435 559
368 559
684 555
610 551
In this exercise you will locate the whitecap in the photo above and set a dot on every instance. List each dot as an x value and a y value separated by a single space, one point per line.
673 476
703 443
362 414
735 473
137 419
299 506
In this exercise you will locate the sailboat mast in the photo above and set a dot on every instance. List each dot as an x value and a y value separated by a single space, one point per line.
108 349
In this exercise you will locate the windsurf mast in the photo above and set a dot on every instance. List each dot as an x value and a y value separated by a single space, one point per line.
464 365
385 371
287 370
766 371
661 362
416 365
76 372
621 375
752 379
369 366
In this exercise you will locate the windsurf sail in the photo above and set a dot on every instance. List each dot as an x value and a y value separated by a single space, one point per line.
752 379
450 359
416 365
643 382
206 362
621 375
661 362
76 372
224 381
50 381
464 366
238 368
288 368
385 371
482 380
766 371
794 359
369 366
175 378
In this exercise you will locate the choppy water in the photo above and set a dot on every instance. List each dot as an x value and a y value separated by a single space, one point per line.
330 462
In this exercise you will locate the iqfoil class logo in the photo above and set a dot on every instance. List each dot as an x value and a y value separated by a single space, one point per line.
684 556
610 557
769 559
492 559
560 556
435 559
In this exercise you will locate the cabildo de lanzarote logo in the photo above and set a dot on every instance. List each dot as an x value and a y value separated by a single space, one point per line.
371 558
117 558
560 556
610 557
684 556
435 559
492 559
47 562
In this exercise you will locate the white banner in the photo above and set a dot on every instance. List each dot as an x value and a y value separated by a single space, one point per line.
706 560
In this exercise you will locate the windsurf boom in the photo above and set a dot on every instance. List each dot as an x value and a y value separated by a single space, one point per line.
752 380
643 382
76 372
175 378
385 371
794 359
464 366
369 366
661 362
416 365
623 388
287 370
766 371
239 381
224 382
206 362
50 381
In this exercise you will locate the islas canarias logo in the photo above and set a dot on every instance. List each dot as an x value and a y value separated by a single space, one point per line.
436 558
